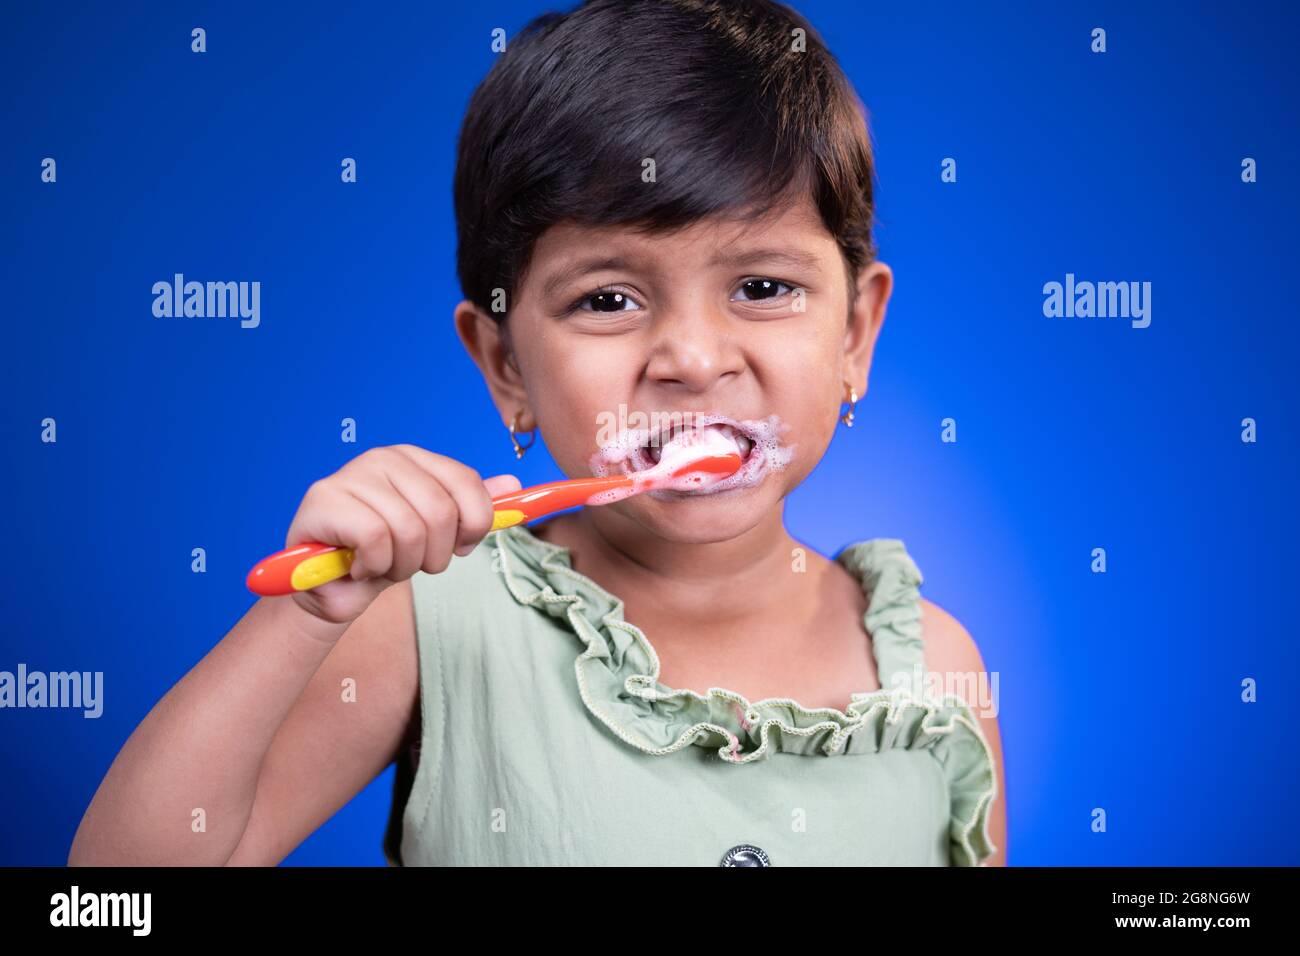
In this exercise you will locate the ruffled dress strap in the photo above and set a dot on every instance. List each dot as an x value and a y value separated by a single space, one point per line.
891 581
946 724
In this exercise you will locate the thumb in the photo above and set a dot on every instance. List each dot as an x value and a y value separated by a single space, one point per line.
496 485
502 484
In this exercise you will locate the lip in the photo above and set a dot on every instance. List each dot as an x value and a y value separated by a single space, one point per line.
626 452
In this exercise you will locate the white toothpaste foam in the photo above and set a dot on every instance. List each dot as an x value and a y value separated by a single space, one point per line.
769 453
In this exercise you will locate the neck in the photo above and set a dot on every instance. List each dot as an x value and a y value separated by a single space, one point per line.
709 581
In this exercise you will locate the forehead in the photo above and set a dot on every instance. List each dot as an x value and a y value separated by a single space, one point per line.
792 226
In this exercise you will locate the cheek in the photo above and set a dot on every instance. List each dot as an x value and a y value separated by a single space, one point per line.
814 340
805 389
574 388
804 371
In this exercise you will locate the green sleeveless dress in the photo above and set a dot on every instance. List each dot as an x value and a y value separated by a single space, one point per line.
546 738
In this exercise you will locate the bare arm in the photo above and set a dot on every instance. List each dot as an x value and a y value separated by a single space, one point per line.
332 745
256 746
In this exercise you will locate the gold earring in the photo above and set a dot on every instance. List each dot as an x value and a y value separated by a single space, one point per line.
847 417
520 449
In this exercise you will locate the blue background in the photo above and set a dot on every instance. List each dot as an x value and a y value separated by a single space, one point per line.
1118 690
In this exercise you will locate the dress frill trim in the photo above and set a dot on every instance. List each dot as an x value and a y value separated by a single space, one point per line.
618 680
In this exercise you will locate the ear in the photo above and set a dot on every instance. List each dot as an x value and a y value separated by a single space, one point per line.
488 344
875 284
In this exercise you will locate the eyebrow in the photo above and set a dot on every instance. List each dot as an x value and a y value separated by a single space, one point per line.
791 256
581 267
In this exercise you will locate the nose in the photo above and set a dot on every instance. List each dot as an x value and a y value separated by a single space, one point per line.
694 348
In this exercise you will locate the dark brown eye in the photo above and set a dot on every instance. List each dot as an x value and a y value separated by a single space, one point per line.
756 289
606 301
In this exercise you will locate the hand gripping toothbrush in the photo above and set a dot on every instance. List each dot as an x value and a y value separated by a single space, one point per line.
693 459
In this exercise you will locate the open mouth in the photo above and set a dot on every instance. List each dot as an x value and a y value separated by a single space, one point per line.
760 442
650 452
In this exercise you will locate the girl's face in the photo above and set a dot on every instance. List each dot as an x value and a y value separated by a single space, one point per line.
617 334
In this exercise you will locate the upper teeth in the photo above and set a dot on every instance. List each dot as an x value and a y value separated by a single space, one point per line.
742 440
654 449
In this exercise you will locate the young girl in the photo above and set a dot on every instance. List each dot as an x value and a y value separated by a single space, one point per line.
664 214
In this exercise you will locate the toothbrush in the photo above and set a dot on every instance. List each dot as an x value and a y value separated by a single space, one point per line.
699 461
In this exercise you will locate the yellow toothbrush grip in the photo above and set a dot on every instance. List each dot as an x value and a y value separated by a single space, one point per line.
507 518
322 569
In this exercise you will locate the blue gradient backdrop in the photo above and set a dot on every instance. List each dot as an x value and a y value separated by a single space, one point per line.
1119 691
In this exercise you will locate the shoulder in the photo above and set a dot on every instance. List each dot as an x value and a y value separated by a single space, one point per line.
952 658
948 645
952 655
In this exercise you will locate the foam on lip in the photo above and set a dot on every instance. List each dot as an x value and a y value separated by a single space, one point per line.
624 453
673 469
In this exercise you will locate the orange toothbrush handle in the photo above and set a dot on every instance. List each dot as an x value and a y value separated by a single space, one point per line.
311 564
300 568
518 507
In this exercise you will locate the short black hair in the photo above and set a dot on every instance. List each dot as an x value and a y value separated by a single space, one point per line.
720 93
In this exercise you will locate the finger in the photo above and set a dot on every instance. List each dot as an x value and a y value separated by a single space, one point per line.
406 528
466 487
502 484
331 515
435 506
497 485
